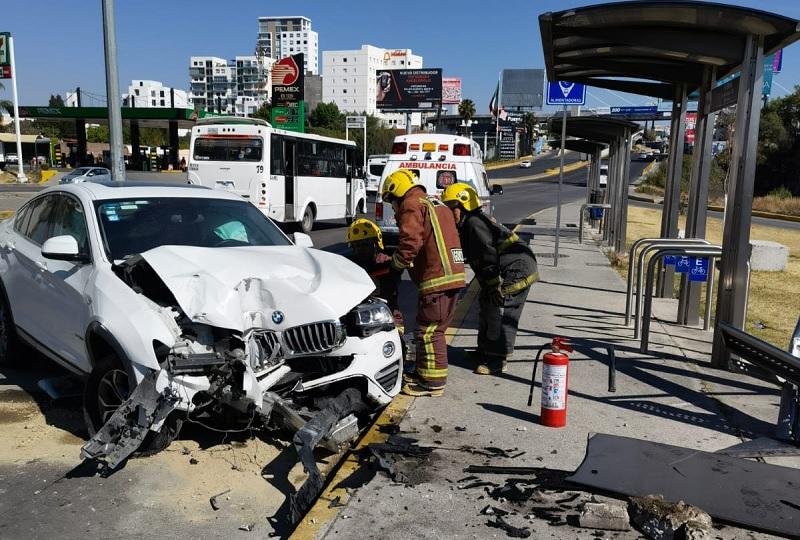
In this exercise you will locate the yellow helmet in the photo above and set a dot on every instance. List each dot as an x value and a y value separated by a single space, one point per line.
463 194
363 229
398 183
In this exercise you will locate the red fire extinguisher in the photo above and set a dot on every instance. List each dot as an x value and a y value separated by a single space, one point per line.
555 381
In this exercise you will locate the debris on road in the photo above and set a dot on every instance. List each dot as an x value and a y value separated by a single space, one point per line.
213 500
249 527
501 469
660 519
513 532
606 516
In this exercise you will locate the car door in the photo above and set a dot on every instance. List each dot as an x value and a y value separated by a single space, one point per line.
67 307
25 285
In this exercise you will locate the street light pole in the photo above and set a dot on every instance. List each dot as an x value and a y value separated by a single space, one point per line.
20 175
112 92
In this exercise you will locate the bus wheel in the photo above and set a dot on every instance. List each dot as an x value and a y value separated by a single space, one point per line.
307 223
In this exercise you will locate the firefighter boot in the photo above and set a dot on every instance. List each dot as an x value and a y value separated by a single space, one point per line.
418 389
492 366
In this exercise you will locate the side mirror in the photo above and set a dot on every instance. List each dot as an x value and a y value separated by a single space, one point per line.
497 189
63 248
302 240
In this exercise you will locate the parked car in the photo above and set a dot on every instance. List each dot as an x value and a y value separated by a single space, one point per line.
526 164
12 158
197 300
86 174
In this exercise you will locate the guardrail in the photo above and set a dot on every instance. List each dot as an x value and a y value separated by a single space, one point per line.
588 206
710 252
673 243
776 363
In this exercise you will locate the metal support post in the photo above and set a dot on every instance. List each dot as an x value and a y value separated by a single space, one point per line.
732 291
672 191
112 92
689 304
619 168
611 194
14 96
173 144
560 183
136 152
623 200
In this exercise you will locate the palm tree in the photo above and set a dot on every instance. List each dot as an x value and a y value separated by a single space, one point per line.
5 104
466 110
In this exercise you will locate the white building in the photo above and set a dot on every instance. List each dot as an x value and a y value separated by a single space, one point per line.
238 87
153 94
279 37
349 79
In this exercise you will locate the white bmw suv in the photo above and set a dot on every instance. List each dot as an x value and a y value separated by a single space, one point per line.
184 303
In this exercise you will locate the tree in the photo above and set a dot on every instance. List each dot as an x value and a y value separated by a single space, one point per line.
326 115
466 110
264 112
5 104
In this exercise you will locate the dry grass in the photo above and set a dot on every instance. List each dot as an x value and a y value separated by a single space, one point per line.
789 206
773 295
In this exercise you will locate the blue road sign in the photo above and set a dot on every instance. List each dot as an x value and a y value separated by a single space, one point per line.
565 93
648 109
698 268
682 265
669 260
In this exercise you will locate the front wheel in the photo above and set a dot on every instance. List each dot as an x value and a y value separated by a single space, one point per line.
108 387
307 223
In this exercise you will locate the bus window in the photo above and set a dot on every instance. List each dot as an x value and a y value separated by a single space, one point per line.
224 149
276 153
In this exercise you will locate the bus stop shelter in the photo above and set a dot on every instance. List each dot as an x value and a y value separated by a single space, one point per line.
598 131
671 49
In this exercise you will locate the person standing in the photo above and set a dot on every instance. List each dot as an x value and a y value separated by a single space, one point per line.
429 248
505 268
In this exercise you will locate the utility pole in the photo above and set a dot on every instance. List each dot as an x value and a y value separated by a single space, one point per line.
20 175
112 92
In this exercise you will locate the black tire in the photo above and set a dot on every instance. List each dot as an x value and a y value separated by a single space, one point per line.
9 343
361 210
107 387
307 222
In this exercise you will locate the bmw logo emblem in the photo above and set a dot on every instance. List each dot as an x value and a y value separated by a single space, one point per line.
277 317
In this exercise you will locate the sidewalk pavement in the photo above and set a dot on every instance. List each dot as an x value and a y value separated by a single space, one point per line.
672 396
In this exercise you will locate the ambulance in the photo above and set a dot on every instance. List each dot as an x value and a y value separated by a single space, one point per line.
437 160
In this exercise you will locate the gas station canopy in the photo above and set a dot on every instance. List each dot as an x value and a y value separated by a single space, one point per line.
647 47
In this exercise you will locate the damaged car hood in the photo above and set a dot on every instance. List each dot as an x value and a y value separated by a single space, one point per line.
259 287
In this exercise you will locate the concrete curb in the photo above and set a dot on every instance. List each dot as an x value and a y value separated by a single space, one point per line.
762 214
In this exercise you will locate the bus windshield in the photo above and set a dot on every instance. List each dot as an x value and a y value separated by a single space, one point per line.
228 149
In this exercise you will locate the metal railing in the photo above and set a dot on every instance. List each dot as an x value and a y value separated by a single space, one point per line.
710 252
588 206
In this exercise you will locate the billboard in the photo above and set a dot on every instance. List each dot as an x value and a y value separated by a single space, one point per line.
451 90
408 89
522 88
288 80
5 55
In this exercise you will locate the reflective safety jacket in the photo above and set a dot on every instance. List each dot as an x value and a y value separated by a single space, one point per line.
429 246
496 254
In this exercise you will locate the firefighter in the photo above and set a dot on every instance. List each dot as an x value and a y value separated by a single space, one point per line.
366 242
505 268
429 248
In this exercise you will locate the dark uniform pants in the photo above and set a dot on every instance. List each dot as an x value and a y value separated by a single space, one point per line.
497 327
434 315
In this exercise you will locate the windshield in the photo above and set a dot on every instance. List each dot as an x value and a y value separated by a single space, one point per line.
376 170
243 148
134 226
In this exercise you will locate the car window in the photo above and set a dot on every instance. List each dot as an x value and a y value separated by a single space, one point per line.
21 219
40 223
70 219
129 227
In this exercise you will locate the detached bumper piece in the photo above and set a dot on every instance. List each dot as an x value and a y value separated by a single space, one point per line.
129 425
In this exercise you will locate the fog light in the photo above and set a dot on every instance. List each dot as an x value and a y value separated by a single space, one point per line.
388 349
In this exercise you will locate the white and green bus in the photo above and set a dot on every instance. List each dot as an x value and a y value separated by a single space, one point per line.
293 178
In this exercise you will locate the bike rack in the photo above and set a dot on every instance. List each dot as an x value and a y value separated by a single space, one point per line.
640 274
711 252
585 207
632 253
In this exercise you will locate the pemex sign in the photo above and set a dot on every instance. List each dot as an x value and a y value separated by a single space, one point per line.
5 55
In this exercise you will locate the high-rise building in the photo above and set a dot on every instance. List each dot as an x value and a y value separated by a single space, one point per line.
153 94
279 37
349 79
238 87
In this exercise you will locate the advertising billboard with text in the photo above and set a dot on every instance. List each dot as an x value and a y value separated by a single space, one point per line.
523 88
408 89
451 91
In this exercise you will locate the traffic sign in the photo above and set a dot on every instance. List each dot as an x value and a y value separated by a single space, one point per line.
356 122
566 93
682 265
5 56
698 268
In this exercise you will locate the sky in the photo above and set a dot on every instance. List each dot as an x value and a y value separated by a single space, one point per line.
59 44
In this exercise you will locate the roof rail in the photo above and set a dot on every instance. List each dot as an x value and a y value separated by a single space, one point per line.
216 120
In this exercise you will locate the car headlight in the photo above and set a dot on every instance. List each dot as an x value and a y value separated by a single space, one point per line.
369 317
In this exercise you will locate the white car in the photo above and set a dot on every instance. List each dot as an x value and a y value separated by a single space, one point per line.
86 174
525 164
197 300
